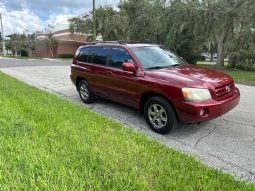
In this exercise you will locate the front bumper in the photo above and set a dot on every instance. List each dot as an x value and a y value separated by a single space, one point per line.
189 112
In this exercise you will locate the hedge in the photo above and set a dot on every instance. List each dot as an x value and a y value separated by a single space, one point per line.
65 55
242 60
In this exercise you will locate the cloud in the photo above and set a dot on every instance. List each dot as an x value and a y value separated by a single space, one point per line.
25 21
19 21
55 6
34 15
59 21
45 5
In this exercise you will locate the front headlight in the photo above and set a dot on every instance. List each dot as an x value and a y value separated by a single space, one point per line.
196 94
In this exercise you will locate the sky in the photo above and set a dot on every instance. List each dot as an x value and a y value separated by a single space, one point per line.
28 16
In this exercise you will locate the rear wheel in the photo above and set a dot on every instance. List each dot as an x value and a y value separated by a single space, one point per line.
86 95
159 115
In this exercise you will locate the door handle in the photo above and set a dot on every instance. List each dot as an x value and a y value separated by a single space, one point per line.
109 73
86 68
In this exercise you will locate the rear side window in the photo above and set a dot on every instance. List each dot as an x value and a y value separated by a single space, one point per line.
84 55
100 55
118 57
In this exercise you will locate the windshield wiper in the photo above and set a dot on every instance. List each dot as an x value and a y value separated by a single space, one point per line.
156 67
178 64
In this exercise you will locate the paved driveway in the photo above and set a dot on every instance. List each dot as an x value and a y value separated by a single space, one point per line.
227 142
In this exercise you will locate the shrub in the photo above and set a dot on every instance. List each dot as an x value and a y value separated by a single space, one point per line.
24 53
201 58
193 58
66 56
242 60
185 47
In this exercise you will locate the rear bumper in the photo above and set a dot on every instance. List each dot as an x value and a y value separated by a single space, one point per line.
73 79
189 112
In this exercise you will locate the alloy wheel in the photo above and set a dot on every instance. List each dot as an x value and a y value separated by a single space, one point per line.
157 116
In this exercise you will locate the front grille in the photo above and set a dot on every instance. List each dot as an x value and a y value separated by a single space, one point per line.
224 92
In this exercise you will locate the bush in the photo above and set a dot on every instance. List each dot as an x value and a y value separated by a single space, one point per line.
242 60
201 58
193 58
23 53
185 47
66 56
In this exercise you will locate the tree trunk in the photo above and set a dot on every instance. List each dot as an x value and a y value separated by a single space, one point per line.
29 52
221 54
51 51
211 54
221 39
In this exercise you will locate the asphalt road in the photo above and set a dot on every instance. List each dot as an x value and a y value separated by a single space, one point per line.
11 63
227 142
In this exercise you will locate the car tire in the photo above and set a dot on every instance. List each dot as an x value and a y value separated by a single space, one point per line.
86 95
160 115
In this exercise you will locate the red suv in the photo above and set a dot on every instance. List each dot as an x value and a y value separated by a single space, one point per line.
153 80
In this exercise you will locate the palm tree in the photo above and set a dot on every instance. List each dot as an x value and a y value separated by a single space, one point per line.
51 42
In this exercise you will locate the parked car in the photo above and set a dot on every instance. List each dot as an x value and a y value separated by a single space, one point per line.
152 79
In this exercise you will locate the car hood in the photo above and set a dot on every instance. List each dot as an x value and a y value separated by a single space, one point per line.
193 76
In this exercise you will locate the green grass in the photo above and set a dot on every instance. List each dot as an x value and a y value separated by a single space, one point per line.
48 143
242 77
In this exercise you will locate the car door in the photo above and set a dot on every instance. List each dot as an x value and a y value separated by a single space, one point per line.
93 61
122 85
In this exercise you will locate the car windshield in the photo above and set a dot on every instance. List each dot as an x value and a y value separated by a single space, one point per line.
155 57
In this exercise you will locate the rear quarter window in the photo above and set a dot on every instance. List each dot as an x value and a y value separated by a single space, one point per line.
85 54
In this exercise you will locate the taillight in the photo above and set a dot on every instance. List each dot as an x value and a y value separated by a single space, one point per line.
75 60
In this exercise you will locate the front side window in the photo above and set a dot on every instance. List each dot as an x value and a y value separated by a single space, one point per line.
100 55
155 57
118 57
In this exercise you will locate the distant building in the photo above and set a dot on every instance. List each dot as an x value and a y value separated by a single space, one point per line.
67 43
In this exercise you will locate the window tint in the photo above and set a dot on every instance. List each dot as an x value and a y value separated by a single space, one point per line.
100 55
84 55
118 57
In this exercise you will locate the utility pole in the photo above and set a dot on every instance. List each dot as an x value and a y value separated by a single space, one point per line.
2 33
94 21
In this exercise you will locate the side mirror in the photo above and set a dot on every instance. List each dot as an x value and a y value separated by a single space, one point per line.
129 67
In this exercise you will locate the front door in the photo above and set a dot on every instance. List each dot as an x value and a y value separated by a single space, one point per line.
122 85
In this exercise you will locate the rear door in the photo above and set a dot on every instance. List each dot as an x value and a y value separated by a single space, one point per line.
93 61
99 59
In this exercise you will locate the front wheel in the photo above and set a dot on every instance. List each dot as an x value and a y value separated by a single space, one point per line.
159 115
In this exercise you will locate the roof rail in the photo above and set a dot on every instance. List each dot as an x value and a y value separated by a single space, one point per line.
89 43
128 42
112 42
107 42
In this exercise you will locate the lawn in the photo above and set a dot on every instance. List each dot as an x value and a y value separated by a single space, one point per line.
242 77
48 143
